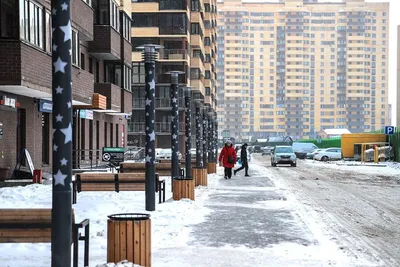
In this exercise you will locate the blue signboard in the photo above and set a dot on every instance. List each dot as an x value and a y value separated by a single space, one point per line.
45 106
389 130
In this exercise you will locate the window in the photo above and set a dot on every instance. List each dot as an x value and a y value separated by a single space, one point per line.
126 27
175 23
9 19
145 20
127 78
31 27
75 49
113 73
82 61
138 74
114 15
195 29
195 5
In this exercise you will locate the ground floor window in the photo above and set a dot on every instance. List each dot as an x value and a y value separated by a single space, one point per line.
45 138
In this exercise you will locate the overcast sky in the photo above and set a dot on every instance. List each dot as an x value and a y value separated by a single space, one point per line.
394 20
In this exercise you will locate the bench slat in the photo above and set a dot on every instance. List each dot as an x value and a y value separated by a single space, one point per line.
97 176
25 240
21 233
34 212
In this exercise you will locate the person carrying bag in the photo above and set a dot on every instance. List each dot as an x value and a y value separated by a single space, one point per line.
227 159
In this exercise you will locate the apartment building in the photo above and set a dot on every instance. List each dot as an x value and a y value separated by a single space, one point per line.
296 67
186 29
398 79
101 78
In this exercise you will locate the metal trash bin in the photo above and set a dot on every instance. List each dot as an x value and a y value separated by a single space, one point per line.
129 238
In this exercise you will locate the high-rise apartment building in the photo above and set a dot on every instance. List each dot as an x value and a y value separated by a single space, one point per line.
295 67
187 32
101 79
398 79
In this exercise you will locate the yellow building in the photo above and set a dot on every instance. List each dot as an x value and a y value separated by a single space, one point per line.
187 32
296 67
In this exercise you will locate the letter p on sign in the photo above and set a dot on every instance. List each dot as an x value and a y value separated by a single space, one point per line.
389 130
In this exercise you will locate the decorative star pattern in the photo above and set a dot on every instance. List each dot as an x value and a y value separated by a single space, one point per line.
188 132
59 90
174 129
149 118
205 136
199 162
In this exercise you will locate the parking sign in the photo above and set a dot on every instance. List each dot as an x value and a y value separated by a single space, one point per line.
389 130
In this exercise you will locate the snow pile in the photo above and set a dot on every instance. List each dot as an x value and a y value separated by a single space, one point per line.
119 264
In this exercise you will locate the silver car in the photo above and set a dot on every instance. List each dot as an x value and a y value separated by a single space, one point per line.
283 155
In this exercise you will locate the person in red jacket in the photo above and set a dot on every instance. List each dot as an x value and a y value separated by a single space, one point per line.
227 158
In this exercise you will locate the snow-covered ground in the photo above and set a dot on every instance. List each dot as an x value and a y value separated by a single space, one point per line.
274 229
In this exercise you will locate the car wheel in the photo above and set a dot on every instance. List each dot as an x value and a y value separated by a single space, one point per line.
294 164
273 164
324 158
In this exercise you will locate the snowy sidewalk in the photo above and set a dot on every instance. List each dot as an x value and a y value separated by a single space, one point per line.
250 223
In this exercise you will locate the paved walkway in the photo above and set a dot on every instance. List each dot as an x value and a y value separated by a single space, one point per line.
250 224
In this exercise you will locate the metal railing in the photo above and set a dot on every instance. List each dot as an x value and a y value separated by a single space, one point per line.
160 127
159 103
87 158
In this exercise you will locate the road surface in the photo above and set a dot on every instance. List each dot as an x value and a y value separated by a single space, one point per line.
360 210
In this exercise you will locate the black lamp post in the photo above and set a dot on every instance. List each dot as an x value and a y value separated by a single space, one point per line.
188 131
205 136
174 95
149 56
199 144
215 137
61 230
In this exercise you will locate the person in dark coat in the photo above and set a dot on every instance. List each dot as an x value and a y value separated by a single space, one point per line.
245 163
227 158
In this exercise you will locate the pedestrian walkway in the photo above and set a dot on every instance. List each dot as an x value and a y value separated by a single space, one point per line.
251 224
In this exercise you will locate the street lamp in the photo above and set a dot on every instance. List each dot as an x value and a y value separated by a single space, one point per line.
199 162
174 96
149 56
188 131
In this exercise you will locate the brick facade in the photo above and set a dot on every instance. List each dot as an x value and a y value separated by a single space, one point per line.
10 58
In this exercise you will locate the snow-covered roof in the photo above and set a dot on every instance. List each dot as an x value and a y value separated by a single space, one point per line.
336 131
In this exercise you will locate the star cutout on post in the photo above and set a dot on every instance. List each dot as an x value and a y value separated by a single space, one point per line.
59 90
68 133
148 159
64 162
64 6
59 65
152 84
67 31
55 147
59 118
148 102
174 100
59 178
150 72
54 11
54 47
69 105
174 136
147 114
152 136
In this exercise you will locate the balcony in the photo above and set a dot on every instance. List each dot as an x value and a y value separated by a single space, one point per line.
106 44
113 94
160 103
82 19
174 55
144 7
160 127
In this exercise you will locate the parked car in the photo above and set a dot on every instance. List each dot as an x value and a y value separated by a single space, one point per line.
301 149
267 150
333 153
166 153
310 155
257 149
283 155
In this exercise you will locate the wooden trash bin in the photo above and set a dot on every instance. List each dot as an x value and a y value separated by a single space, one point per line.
183 188
200 176
129 238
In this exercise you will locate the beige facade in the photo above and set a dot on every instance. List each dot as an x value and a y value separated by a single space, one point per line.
297 67
398 78
187 31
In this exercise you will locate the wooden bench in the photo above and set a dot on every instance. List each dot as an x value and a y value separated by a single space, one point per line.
115 182
34 226
163 169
